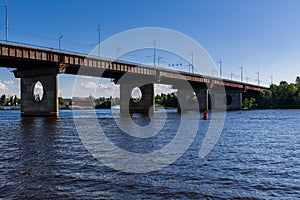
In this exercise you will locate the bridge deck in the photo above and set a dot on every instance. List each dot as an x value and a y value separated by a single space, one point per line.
22 57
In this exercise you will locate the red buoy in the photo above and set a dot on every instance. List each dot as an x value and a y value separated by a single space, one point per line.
205 115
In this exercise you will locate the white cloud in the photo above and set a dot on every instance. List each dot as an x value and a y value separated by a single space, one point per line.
9 82
159 88
105 86
89 85
3 86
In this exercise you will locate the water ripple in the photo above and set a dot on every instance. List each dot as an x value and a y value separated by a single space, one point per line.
257 157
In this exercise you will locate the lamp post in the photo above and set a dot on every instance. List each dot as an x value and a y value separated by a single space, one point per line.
192 64
60 36
241 68
98 29
154 53
6 20
158 59
271 79
220 63
258 81
117 52
231 75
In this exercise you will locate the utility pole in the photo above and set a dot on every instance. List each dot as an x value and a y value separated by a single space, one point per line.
98 29
241 68
271 79
189 66
192 62
60 36
231 75
154 53
117 52
258 81
6 19
220 63
158 59
212 72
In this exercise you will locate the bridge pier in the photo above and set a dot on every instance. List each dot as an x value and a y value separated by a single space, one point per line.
227 100
202 97
234 99
145 105
48 104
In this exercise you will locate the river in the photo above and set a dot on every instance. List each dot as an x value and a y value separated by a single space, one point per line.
256 157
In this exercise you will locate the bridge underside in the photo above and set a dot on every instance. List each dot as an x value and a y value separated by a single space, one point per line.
205 98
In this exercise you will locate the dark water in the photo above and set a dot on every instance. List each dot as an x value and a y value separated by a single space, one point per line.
256 157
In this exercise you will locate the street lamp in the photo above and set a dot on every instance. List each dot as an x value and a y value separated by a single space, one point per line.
154 52
117 52
6 19
271 79
98 29
241 68
60 36
258 81
192 64
231 75
220 63
158 59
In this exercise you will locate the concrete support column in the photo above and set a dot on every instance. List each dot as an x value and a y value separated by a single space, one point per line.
202 96
48 105
145 105
234 100
218 98
229 100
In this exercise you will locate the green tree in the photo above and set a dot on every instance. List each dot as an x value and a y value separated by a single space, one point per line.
249 103
166 100
283 96
3 100
61 101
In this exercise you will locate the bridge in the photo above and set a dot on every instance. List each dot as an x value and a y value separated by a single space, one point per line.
32 64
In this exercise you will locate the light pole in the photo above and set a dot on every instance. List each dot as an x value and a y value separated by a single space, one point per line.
258 81
212 72
189 66
158 59
98 29
271 79
241 68
192 64
220 63
60 36
6 19
117 52
154 53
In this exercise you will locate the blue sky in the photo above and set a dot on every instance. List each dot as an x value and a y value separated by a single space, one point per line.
260 35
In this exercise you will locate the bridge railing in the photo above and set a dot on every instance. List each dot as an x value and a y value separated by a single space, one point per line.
22 44
78 59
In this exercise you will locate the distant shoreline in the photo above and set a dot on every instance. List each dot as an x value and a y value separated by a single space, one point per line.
10 108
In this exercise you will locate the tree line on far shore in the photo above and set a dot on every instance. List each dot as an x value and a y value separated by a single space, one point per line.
9 101
282 96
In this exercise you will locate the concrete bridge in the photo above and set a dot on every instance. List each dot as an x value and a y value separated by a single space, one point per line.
32 64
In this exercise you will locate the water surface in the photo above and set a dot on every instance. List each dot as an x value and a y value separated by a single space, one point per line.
257 156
